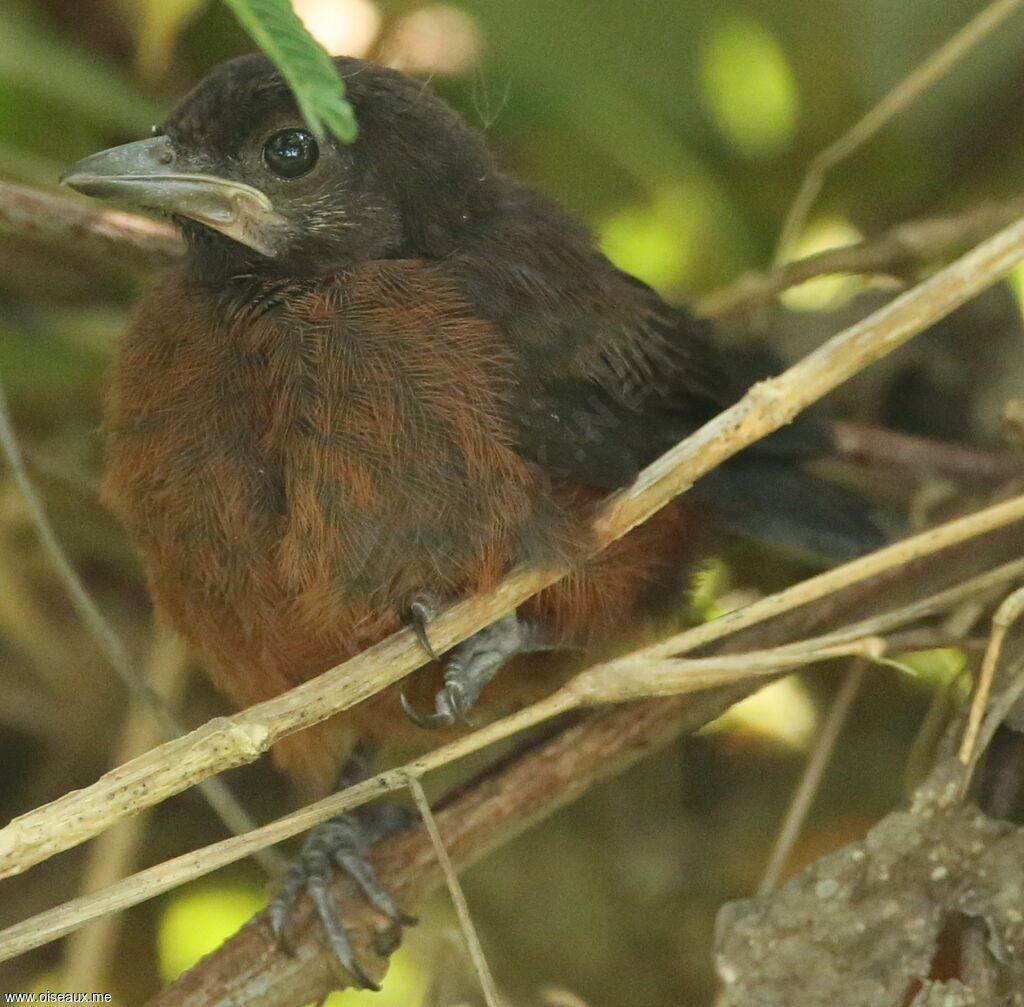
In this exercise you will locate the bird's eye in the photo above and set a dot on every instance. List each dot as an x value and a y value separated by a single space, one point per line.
291 153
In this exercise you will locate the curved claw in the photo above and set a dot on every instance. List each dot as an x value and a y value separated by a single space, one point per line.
420 613
445 714
471 665
334 931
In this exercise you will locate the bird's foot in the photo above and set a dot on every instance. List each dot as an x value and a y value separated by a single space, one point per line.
340 844
470 666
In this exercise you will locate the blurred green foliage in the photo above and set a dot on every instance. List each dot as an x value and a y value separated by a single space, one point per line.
657 120
748 88
199 918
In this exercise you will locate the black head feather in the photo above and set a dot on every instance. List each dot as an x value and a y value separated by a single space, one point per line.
413 183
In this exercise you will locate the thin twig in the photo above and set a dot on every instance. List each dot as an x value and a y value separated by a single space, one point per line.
533 787
142 243
604 677
113 855
904 245
878 447
981 584
810 779
936 66
87 610
642 674
151 767
147 884
227 742
458 897
643 678
998 712
490 812
1006 615
104 236
773 403
215 792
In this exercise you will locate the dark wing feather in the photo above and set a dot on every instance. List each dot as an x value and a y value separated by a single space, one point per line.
609 377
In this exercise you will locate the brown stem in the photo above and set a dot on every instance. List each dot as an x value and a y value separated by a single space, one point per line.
510 798
125 239
881 448
490 812
893 251
136 242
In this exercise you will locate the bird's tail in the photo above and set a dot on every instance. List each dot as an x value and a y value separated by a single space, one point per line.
782 504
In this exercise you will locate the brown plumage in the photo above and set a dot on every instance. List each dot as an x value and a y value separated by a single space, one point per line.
294 479
391 374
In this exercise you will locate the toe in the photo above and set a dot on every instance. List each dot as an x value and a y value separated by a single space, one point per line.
358 868
334 931
282 906
341 843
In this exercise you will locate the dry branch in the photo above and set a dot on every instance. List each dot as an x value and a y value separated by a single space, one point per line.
1006 615
901 97
890 558
488 814
106 236
90 951
231 741
538 782
903 246
473 946
811 777
606 743
133 241
738 630
881 448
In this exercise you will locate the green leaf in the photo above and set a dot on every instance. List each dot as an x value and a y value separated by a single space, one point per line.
303 62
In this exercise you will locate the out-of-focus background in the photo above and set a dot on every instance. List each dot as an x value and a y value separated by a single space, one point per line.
679 131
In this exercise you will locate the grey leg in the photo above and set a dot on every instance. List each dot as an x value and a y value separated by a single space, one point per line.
340 843
470 666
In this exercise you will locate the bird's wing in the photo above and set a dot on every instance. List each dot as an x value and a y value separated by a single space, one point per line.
610 377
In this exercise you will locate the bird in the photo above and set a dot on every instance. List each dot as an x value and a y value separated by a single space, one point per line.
386 373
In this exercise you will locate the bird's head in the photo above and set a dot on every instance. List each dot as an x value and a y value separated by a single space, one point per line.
252 189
